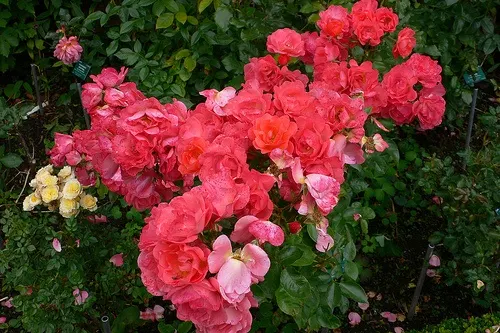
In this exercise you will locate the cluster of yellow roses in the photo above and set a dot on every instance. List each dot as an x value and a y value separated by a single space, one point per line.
63 192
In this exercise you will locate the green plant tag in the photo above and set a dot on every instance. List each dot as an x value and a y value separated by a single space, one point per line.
81 70
474 78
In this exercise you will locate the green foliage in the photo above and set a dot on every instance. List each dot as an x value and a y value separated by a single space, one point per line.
472 325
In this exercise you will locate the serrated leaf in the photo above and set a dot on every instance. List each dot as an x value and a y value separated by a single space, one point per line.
203 4
222 17
327 319
333 295
94 16
350 251
126 27
181 17
351 270
353 291
164 21
112 47
11 160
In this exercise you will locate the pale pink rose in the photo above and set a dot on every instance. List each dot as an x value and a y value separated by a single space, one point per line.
110 77
250 227
117 259
287 42
354 318
282 158
56 244
398 330
380 144
216 100
80 296
68 50
325 241
356 216
91 95
7 303
235 274
3 320
152 314
431 273
391 317
434 261
364 306
324 190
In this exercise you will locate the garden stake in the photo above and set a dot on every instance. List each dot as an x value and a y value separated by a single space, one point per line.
37 88
85 114
105 324
420 282
471 122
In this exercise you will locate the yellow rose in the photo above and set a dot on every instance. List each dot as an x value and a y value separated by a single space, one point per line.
31 201
44 171
47 180
50 193
68 208
88 202
66 173
72 189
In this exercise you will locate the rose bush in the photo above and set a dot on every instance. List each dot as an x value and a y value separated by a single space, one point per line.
246 163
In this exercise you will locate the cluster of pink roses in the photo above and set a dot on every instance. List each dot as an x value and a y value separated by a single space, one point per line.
213 168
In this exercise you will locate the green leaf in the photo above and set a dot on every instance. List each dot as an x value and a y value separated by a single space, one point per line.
94 17
389 189
184 327
171 5
327 319
126 27
128 317
164 21
203 5
4 47
350 251
158 8
489 46
165 328
113 46
222 17
351 270
177 90
190 64
353 291
11 160
432 51
137 46
39 44
116 213
287 302
451 2
307 257
181 17
143 73
294 283
182 54
333 295
192 20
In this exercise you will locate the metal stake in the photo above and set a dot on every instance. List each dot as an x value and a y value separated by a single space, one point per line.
85 114
420 283
106 328
34 73
471 123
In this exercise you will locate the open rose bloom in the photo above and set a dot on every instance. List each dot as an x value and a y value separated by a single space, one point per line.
214 176
68 50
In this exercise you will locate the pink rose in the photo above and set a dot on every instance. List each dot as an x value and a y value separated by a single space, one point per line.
354 318
92 95
182 219
429 110
132 154
286 41
216 100
398 83
312 139
80 296
334 22
264 70
369 32
405 43
249 105
68 50
387 19
292 99
117 260
250 227
427 70
110 77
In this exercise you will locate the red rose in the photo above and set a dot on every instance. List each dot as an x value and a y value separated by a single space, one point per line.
181 264
368 32
286 41
294 227
132 154
312 139
264 70
427 70
398 83
387 19
405 43
363 78
334 22
429 110
292 98
270 132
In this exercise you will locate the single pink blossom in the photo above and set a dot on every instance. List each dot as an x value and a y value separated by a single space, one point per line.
434 261
437 200
379 142
250 227
152 314
398 330
364 306
356 216
80 297
431 273
3 320
117 259
97 218
7 303
68 50
391 317
324 242
56 244
216 100
77 243
354 318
